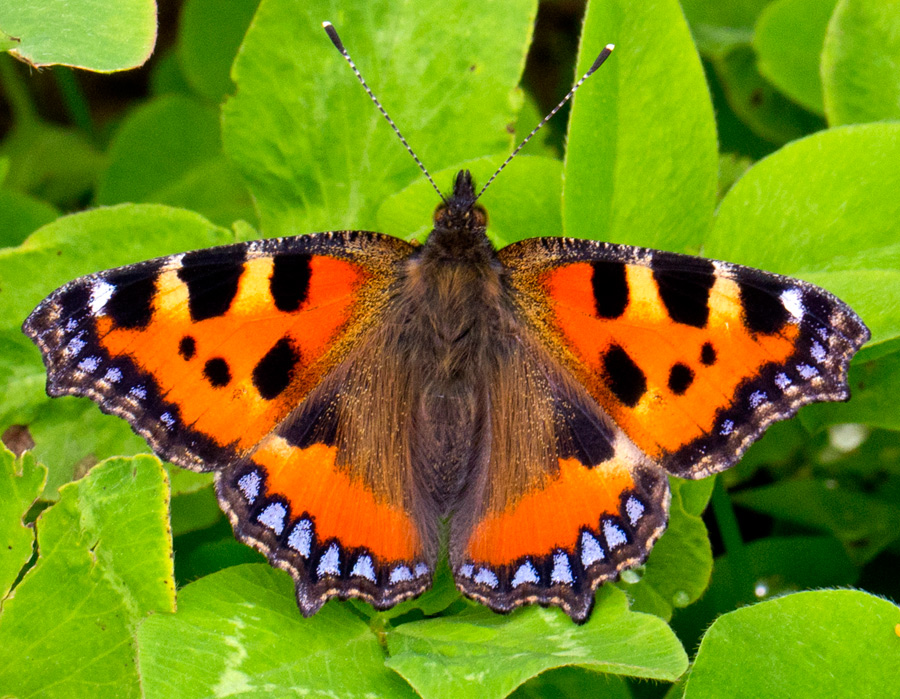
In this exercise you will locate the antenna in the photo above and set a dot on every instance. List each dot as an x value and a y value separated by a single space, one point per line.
339 45
604 54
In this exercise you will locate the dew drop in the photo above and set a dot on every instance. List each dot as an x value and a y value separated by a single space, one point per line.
681 599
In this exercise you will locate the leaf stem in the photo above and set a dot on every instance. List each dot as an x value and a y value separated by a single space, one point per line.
74 100
726 520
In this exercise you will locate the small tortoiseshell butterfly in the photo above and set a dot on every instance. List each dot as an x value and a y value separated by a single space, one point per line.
354 392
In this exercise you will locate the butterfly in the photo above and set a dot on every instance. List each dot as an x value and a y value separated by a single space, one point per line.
361 399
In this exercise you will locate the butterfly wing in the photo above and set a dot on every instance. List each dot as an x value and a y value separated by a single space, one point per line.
692 358
204 353
229 360
566 501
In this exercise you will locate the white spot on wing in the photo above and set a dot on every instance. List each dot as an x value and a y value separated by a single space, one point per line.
167 420
467 570
330 562
727 428
792 300
101 293
757 398
113 375
562 571
817 352
526 573
363 568
591 550
634 508
75 345
615 537
71 324
273 517
89 364
249 486
782 381
487 577
300 538
420 570
400 574
138 392
807 372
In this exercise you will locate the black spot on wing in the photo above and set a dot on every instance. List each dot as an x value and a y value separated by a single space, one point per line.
610 288
761 303
625 378
131 302
289 283
74 301
274 371
680 378
217 372
708 354
316 424
582 436
212 279
187 347
684 284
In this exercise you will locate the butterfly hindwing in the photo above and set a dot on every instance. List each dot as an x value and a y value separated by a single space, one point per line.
568 500
205 352
300 499
692 358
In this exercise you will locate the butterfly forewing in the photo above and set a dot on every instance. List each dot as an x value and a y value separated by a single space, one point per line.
693 358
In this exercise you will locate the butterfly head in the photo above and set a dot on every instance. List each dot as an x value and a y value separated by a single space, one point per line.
459 212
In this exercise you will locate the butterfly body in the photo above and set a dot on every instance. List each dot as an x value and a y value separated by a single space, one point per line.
353 393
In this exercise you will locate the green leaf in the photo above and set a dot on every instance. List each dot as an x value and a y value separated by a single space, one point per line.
764 109
316 153
565 682
208 39
762 569
195 510
238 631
55 164
861 62
168 151
809 644
718 27
98 35
105 562
8 42
789 38
677 571
71 435
155 145
865 523
22 215
21 481
482 654
641 162
824 209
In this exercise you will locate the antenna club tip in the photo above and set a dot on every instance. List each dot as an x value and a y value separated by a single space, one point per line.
326 24
610 47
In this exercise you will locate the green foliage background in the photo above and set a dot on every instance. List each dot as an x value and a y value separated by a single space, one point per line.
764 133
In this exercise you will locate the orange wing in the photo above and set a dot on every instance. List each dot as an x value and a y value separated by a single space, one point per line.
567 501
205 353
692 358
